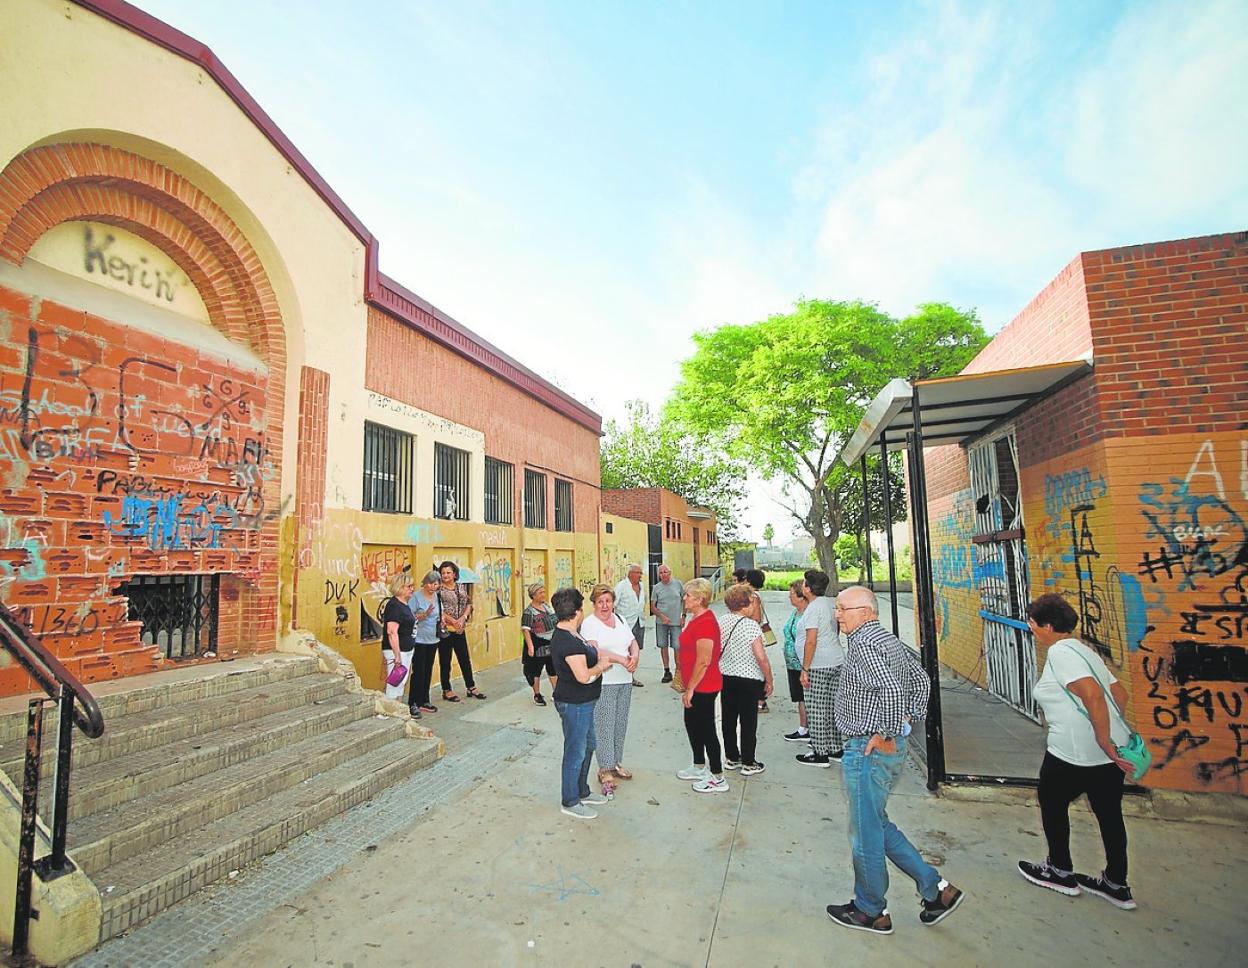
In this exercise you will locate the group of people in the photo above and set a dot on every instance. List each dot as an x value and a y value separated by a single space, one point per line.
858 699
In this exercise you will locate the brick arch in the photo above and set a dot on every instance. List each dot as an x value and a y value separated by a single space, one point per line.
51 184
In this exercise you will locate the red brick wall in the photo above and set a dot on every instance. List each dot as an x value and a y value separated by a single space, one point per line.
638 503
406 365
311 454
122 453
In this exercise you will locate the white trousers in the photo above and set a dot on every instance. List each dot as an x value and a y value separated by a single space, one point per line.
396 692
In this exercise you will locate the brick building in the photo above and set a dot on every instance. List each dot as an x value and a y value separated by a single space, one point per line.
1122 486
222 424
681 535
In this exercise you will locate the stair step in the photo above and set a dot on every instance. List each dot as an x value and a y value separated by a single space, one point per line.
141 886
171 687
105 785
114 835
135 733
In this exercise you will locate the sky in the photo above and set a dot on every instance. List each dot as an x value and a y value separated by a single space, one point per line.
586 185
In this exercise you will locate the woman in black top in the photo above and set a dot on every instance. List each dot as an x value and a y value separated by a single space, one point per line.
398 644
578 671
456 611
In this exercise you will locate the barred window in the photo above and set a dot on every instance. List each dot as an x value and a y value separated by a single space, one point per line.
388 467
450 482
499 491
563 505
534 499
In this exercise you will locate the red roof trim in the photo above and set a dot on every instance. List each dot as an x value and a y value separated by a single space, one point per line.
379 290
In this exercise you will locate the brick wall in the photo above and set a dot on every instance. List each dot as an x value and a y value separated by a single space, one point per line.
639 503
408 366
123 454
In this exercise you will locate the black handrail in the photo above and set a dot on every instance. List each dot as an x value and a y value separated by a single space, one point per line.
46 669
77 707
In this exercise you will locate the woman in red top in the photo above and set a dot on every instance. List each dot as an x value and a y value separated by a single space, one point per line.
699 668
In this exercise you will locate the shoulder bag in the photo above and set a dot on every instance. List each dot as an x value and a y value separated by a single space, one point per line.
1135 751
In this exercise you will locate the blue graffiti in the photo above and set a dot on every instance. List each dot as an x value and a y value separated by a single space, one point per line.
1065 491
1199 535
163 522
1135 611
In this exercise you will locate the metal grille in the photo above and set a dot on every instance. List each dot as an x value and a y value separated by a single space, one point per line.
500 484
1000 572
534 499
178 612
563 505
387 469
450 482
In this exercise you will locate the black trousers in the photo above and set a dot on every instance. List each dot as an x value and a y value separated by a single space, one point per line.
535 665
422 674
739 703
700 725
458 642
1061 784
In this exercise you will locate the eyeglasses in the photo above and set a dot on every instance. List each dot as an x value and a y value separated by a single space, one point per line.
850 608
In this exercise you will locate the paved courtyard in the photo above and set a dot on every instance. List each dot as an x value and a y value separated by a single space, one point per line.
471 863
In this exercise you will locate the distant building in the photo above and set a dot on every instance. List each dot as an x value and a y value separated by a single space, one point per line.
680 535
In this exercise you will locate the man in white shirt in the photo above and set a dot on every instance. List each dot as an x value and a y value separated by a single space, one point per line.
822 659
630 606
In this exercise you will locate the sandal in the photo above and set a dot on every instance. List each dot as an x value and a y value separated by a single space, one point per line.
622 773
427 708
476 694
449 697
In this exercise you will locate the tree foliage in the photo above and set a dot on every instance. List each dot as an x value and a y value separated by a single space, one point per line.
647 450
786 393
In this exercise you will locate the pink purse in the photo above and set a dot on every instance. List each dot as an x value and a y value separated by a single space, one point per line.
397 674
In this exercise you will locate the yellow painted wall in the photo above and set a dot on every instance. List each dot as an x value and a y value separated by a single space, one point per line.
629 541
678 556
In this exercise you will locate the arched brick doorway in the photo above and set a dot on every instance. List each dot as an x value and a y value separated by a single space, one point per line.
131 458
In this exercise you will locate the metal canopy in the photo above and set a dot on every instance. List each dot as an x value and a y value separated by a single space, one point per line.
957 407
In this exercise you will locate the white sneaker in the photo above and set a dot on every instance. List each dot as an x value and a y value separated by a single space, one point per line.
694 773
732 764
580 811
712 784
597 799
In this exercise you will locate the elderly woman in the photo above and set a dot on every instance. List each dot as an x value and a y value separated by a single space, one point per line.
793 661
578 671
613 637
699 670
538 625
424 606
1081 757
755 579
455 612
747 679
397 643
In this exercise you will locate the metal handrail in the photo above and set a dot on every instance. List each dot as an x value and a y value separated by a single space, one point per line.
49 673
77 707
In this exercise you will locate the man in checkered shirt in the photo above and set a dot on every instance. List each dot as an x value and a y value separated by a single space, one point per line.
883 690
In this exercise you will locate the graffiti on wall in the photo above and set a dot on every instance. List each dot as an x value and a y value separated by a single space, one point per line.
495 572
562 569
1196 668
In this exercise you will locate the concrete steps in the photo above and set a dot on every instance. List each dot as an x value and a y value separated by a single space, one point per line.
201 771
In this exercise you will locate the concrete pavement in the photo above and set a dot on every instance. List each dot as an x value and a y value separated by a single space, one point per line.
495 875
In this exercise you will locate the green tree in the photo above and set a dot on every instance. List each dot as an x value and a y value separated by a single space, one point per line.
648 450
784 394
768 533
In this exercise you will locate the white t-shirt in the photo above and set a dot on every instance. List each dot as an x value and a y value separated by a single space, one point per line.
820 615
630 605
738 633
1071 737
612 640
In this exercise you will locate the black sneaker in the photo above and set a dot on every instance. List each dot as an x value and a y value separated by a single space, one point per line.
837 756
539 699
1119 895
813 759
848 916
667 675
415 711
1043 875
947 901
797 736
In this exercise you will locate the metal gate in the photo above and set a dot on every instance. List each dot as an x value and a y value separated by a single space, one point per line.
1000 558
178 612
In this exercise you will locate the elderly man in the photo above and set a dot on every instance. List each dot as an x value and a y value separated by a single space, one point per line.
882 691
667 605
630 606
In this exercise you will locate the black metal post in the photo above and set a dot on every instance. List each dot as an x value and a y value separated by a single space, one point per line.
925 597
866 521
888 533
26 839
60 808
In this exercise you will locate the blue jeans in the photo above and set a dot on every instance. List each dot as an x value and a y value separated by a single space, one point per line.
872 836
578 748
